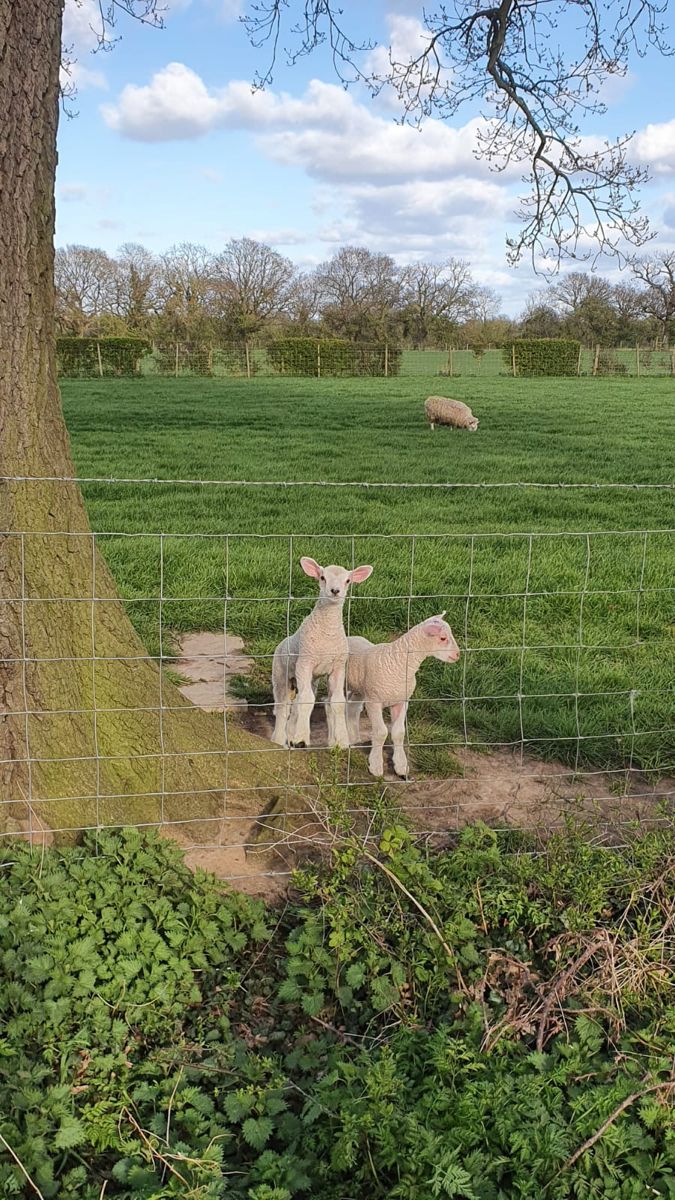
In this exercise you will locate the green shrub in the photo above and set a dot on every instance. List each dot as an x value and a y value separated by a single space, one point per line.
375 1037
543 356
332 357
78 357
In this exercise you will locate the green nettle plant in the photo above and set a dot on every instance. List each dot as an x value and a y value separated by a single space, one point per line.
493 1021
543 356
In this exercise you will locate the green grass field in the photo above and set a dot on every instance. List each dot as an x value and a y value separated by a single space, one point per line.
594 671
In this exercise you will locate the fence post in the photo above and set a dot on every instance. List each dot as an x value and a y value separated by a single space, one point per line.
579 361
98 355
672 362
450 362
386 359
513 360
248 360
637 360
318 359
596 361
176 360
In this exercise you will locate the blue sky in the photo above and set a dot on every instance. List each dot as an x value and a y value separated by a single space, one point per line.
169 145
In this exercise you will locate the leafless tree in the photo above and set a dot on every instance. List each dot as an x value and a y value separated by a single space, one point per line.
137 286
577 288
657 274
433 292
538 68
485 303
359 293
85 280
253 283
304 303
186 288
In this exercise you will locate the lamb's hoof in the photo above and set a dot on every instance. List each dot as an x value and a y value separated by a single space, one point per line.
298 745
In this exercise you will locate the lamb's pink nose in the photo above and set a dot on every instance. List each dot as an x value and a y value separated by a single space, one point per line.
454 655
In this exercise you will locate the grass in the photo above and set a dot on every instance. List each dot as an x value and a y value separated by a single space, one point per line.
594 672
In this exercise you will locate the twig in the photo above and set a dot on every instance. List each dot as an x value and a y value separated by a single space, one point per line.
339 1033
656 1087
558 989
21 1167
420 907
154 1153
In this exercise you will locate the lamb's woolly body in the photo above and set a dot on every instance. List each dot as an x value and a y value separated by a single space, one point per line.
384 676
440 410
386 672
318 647
320 644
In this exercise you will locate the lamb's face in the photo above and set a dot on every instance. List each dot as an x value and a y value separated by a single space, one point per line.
442 644
473 424
334 581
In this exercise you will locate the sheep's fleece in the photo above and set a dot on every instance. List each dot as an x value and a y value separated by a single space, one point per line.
440 410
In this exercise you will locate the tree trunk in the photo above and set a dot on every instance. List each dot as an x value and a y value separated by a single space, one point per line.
82 740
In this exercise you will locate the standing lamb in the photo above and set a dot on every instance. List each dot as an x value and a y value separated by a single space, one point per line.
318 647
384 676
439 410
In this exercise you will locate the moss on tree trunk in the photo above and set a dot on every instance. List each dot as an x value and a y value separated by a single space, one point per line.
82 742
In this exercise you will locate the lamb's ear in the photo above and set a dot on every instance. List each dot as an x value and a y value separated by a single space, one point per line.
360 573
311 567
435 624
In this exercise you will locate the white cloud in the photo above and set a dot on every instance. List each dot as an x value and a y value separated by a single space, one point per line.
72 193
407 39
279 237
326 131
81 30
655 147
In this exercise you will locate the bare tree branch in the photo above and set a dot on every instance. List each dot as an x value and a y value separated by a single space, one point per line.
537 68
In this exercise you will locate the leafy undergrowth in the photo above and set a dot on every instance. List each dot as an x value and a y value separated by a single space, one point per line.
405 1026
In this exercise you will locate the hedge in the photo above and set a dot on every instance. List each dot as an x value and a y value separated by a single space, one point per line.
87 357
331 356
543 356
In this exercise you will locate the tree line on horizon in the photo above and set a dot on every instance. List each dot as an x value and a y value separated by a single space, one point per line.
249 291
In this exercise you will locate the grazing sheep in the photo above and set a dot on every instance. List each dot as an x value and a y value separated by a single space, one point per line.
384 676
318 647
439 410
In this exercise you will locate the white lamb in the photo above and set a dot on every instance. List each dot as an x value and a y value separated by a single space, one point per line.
440 410
318 647
384 676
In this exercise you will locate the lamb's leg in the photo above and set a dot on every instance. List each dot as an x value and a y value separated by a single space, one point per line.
354 710
379 736
283 696
432 426
398 715
338 735
303 704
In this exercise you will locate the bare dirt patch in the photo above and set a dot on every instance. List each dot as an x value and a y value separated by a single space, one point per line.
504 788
207 663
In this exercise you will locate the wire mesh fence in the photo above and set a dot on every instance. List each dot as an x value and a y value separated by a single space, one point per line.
562 699
315 359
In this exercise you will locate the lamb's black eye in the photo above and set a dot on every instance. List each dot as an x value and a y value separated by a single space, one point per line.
323 578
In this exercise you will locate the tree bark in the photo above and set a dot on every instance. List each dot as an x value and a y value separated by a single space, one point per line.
82 740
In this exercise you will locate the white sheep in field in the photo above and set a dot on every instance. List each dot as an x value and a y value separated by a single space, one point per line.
318 647
439 410
384 676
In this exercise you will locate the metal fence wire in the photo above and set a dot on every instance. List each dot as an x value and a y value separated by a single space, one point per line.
237 360
562 700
